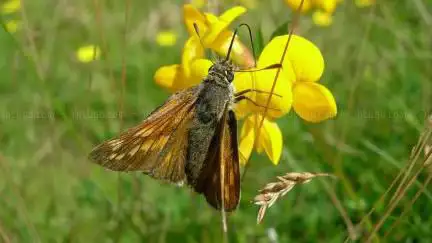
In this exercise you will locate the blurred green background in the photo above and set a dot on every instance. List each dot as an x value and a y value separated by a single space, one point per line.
54 109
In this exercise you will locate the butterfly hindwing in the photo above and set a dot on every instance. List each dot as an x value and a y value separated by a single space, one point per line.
157 146
222 156
230 157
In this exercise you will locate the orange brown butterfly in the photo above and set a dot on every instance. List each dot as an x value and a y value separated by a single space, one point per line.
190 139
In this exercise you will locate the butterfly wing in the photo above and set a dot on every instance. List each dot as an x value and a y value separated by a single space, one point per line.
221 170
157 146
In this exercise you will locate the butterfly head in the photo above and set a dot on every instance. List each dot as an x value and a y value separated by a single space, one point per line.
223 69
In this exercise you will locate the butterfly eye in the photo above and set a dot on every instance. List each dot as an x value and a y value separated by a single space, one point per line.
229 75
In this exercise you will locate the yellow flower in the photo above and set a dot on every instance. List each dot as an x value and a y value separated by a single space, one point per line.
297 84
295 87
323 9
302 67
173 78
88 53
281 100
311 101
322 18
10 6
12 26
166 38
364 3
294 5
214 34
327 6
270 139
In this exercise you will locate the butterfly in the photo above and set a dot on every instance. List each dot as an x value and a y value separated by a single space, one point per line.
190 139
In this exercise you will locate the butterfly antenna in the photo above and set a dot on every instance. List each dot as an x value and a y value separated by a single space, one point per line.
250 38
251 41
200 39
273 66
231 45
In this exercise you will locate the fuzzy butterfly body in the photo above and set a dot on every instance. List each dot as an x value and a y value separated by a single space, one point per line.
191 138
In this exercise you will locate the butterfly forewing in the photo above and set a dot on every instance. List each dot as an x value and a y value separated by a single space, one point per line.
157 146
222 155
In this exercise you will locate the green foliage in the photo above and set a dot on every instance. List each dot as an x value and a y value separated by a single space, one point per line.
53 110
280 30
258 42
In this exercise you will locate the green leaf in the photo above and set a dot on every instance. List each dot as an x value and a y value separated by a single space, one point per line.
281 30
258 43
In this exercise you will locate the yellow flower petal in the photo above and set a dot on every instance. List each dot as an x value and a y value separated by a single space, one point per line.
243 81
166 38
240 54
294 5
214 34
170 78
191 15
281 100
327 5
211 18
306 59
313 102
262 81
88 53
270 137
247 139
10 6
12 26
272 54
231 14
192 50
199 70
322 18
224 21
242 109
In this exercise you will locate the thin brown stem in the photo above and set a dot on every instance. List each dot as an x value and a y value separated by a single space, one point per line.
21 207
352 233
409 205
33 50
337 165
3 235
394 203
417 151
121 108
380 200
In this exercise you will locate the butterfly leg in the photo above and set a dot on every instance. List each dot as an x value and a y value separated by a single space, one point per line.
242 97
254 90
